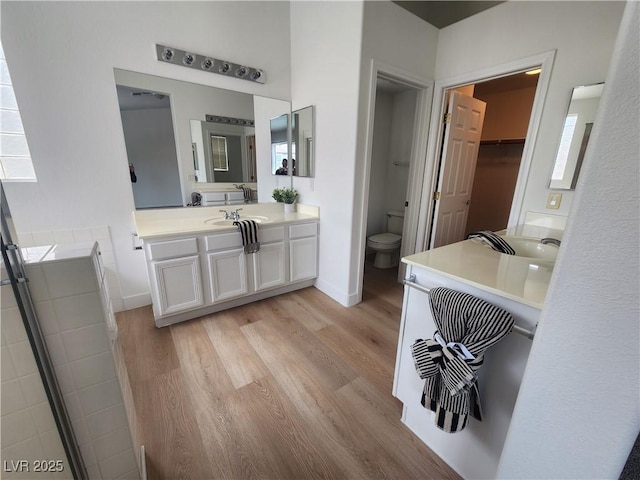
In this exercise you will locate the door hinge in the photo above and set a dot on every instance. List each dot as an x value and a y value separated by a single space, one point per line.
447 118
436 195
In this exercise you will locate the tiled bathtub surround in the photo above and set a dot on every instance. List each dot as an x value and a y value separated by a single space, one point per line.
100 234
71 298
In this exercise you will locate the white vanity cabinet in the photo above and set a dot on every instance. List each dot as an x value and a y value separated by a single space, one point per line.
176 279
192 276
475 451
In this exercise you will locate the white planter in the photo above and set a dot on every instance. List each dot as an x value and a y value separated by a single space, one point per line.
289 207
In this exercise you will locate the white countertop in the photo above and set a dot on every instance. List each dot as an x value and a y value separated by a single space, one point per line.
196 220
524 280
52 253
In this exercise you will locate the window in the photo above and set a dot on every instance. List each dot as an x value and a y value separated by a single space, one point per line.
565 146
15 159
219 154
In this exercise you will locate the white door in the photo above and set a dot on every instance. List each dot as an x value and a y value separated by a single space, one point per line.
464 119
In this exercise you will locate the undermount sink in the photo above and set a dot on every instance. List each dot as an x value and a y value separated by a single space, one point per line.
229 222
532 248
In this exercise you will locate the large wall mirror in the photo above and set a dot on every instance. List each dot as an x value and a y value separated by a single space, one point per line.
171 147
575 136
292 143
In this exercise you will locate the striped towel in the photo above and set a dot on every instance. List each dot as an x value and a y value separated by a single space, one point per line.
249 231
248 194
467 326
496 242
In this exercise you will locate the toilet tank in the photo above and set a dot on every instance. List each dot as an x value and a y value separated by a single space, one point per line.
395 220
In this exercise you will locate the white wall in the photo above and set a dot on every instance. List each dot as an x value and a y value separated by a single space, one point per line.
402 123
578 411
332 47
61 56
583 34
326 39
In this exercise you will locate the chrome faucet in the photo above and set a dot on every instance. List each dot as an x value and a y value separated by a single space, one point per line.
239 187
235 215
553 241
226 214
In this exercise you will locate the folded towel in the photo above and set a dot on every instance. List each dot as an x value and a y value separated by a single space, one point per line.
496 242
249 231
248 194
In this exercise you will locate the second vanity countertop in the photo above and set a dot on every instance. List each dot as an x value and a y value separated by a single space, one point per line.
162 222
522 279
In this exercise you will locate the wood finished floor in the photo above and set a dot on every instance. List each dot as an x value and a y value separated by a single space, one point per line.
292 387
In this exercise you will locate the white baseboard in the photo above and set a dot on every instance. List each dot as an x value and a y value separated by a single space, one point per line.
346 300
136 301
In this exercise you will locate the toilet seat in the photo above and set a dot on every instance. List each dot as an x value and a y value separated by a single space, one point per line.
385 239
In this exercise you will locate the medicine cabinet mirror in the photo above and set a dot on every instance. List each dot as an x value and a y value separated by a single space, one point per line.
296 159
575 136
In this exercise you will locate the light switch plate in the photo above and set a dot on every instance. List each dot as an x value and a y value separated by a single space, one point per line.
554 200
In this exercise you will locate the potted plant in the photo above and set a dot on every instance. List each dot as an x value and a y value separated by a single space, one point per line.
288 196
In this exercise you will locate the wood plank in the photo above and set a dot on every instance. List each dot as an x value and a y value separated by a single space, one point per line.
240 360
209 387
295 386
359 356
305 348
282 444
362 397
169 428
148 351
317 407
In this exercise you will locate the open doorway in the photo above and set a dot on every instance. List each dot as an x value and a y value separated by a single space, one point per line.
478 170
393 129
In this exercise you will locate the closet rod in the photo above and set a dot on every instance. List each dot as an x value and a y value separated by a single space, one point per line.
410 283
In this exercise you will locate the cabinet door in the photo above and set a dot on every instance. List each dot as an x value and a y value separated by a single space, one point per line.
303 258
227 274
178 284
269 266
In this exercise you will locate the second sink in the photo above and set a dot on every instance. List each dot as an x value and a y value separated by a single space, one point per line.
532 248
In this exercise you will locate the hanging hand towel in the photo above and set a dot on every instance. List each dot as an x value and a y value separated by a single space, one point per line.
496 242
248 194
467 326
249 231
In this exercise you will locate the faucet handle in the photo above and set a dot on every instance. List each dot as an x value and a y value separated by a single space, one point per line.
226 214
237 214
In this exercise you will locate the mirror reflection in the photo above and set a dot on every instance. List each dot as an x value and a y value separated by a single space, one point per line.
223 153
575 136
302 142
279 145
170 146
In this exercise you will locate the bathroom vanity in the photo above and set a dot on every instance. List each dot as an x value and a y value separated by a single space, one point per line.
515 283
197 264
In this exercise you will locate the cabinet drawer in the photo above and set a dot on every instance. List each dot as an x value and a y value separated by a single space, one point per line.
303 230
271 234
223 240
173 248
211 197
236 197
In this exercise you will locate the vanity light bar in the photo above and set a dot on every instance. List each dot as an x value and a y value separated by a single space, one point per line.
208 64
229 120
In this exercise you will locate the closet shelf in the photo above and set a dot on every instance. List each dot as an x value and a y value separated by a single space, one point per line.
505 141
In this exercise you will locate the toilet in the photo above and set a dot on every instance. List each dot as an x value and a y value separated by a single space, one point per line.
387 245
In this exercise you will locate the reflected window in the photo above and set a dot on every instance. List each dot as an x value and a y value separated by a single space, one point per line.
219 153
15 159
565 146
